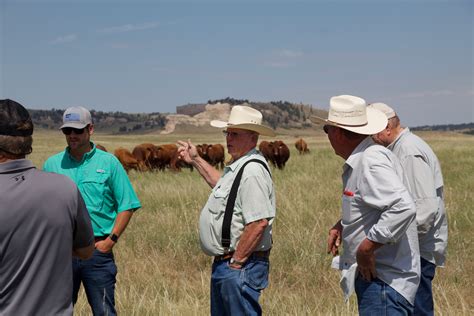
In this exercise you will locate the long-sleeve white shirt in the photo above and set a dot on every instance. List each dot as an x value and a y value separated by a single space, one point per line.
424 180
376 205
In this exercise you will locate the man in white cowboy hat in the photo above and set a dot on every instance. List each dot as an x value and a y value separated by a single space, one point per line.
241 241
380 258
424 180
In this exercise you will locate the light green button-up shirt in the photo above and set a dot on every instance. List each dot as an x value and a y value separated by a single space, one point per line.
255 200
103 183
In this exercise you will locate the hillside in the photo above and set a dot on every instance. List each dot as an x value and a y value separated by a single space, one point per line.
277 114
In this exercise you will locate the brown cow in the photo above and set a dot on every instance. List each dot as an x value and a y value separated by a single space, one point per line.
126 158
213 154
145 155
281 153
301 146
99 146
176 163
164 156
266 148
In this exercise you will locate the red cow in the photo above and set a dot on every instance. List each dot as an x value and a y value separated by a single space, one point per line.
266 148
164 156
145 155
281 153
301 146
126 158
214 155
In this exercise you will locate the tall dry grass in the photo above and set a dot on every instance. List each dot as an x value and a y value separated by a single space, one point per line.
163 272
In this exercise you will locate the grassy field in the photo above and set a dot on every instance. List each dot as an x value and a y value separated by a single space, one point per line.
162 270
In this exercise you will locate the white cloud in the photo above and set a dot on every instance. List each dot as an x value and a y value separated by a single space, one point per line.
64 39
130 27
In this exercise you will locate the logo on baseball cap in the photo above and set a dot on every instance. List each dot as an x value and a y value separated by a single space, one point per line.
76 117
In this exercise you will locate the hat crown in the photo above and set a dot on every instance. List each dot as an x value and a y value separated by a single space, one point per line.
76 117
14 119
387 110
241 114
347 110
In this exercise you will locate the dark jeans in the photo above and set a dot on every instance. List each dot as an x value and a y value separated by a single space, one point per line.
236 292
376 298
97 274
424 295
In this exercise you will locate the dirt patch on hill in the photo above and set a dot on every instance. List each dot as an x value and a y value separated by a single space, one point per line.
218 111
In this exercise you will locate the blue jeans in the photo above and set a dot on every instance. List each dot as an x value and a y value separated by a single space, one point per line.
378 299
236 292
424 295
97 274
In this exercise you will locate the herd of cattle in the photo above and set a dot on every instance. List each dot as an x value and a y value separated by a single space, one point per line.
148 157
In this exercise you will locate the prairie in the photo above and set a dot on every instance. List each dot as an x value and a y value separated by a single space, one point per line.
162 270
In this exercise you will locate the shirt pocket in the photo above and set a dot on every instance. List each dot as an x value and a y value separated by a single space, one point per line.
93 189
218 200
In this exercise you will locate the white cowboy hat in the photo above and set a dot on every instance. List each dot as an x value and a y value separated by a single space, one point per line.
245 117
351 113
389 112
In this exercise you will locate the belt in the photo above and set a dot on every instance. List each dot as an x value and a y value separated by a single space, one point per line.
258 254
99 238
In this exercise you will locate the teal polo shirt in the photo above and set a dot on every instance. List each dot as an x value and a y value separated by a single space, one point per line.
103 183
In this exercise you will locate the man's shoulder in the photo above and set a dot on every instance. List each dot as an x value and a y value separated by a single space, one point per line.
59 182
413 145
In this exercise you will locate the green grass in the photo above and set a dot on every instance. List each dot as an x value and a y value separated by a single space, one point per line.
162 270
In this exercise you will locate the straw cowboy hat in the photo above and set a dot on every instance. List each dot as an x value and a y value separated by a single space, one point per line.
245 117
389 112
351 113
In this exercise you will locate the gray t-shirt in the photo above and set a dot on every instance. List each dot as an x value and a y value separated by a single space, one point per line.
43 218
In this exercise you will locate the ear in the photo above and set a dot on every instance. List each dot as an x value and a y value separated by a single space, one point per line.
91 129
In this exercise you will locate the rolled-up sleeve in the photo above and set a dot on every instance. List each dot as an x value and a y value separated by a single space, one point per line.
382 188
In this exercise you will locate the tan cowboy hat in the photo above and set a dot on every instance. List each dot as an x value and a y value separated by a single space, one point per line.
245 117
351 113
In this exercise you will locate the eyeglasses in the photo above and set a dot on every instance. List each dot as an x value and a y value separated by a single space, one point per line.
233 134
69 130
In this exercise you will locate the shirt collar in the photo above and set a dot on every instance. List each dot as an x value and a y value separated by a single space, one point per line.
86 156
236 164
356 153
15 165
403 133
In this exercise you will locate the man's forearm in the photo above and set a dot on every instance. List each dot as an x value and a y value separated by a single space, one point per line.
208 172
121 222
251 237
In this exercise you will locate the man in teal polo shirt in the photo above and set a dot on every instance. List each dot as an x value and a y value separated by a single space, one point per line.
110 200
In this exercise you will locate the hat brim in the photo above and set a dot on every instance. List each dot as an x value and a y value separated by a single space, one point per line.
376 122
260 129
74 125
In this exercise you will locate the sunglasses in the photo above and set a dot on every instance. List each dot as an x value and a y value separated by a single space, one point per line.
77 131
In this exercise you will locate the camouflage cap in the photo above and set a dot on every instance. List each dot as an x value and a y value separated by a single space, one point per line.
14 119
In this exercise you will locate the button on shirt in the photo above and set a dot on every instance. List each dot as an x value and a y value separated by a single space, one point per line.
255 201
376 205
103 183
424 180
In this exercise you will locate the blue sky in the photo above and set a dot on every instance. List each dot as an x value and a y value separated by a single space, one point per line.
151 56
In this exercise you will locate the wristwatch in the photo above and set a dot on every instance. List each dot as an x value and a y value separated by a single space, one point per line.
233 261
114 237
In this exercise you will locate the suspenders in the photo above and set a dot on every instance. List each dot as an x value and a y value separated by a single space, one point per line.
229 209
